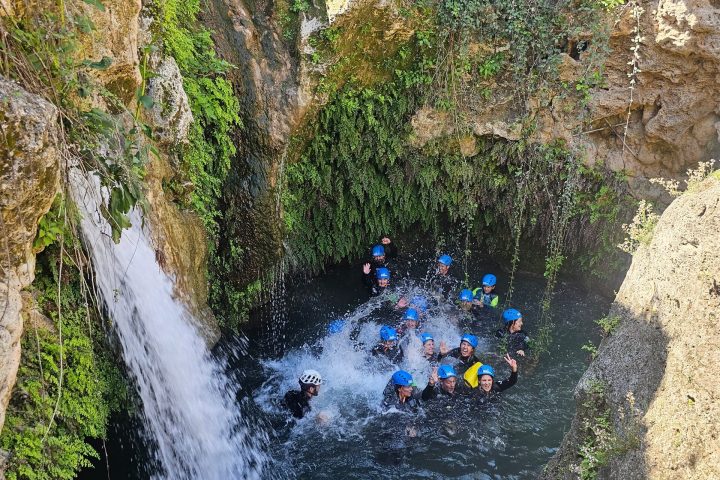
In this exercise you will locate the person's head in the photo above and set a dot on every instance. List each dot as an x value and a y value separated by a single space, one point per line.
428 343
411 318
443 264
466 298
382 275
419 303
403 383
513 320
378 253
486 377
310 382
448 378
488 283
468 344
388 336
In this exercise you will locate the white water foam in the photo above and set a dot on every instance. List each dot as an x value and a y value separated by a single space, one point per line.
353 379
187 404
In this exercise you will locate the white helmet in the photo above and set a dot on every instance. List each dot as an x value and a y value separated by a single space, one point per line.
311 377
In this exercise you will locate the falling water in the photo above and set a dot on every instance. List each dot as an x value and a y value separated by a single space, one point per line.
187 403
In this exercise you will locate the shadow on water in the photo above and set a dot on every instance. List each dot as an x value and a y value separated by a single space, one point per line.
512 439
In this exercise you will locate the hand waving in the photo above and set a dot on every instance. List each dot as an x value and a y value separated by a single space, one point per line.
366 269
433 376
443 348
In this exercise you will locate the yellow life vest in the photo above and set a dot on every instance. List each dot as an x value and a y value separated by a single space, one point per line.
471 374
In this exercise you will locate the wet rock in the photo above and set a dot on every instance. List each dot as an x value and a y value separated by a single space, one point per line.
658 368
181 247
170 114
29 181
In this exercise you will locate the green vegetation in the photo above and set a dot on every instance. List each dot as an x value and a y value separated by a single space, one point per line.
609 323
215 108
67 383
640 230
44 53
600 439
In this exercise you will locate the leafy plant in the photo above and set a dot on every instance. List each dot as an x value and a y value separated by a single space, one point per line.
67 382
609 323
640 231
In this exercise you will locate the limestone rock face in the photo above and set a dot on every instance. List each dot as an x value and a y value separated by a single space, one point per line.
116 37
181 247
675 115
29 181
665 353
170 113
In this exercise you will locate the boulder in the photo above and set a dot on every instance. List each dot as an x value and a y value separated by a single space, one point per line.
657 370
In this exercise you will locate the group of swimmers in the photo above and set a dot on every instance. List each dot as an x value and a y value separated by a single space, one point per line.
456 373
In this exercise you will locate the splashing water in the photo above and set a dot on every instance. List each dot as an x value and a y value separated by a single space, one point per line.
187 402
348 434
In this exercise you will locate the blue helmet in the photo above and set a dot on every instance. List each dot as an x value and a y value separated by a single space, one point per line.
401 378
388 333
418 301
336 326
445 260
411 314
486 370
382 272
424 337
446 371
466 295
489 280
510 315
470 338
378 251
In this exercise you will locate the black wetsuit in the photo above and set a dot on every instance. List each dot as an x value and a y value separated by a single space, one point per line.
433 359
411 404
391 252
497 387
436 391
371 284
515 341
297 402
461 364
394 354
443 285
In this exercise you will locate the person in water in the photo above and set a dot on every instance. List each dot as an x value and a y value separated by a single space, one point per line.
403 395
485 296
465 301
410 321
298 401
380 254
418 302
489 389
443 384
517 339
388 346
379 283
442 283
428 348
463 356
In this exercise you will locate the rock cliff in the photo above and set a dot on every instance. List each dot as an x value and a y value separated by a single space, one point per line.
654 376
29 180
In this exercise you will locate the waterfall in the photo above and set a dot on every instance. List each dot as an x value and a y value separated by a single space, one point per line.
197 429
